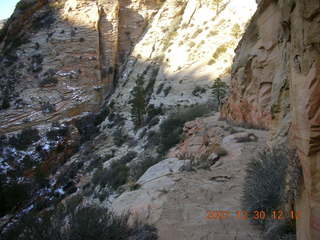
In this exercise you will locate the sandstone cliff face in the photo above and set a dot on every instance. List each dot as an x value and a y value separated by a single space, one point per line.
60 57
187 46
275 84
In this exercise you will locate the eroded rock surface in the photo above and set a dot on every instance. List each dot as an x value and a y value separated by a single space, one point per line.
178 202
275 83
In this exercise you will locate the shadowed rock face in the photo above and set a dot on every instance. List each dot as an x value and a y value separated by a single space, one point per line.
59 58
275 83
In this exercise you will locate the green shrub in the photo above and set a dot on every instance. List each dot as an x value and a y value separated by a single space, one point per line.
114 176
171 129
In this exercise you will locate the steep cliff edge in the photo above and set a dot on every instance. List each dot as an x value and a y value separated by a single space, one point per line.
275 84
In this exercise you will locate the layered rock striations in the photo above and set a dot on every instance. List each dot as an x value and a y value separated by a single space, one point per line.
275 84
59 58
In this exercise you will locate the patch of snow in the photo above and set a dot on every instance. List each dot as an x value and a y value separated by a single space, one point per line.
60 191
66 74
28 209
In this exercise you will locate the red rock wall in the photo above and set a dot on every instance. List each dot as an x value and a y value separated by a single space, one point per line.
275 83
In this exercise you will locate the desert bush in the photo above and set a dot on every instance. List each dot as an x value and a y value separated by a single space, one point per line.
128 157
114 176
88 124
279 230
25 138
198 91
142 231
48 81
264 187
271 183
5 99
152 112
84 223
119 137
153 139
171 129
167 90
57 132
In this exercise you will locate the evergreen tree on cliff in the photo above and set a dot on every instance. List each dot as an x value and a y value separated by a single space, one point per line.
138 103
219 90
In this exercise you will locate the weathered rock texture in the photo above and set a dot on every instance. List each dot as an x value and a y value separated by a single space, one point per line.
60 58
275 83
178 202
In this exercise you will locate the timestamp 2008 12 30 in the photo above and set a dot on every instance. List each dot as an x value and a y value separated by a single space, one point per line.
255 215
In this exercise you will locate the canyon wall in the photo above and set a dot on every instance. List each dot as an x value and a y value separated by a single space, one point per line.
59 58
275 84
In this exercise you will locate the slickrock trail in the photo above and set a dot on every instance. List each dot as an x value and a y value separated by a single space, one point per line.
178 202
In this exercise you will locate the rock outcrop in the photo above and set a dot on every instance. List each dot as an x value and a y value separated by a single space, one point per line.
275 83
179 201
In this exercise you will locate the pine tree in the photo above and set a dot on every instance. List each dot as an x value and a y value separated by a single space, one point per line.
138 103
219 90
